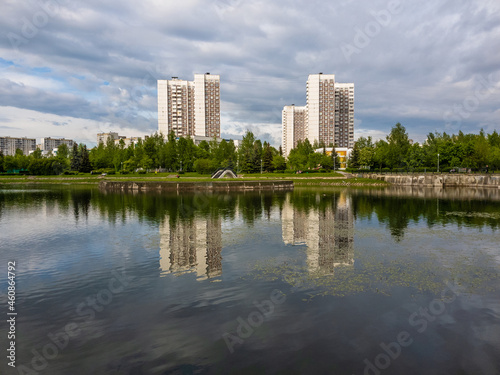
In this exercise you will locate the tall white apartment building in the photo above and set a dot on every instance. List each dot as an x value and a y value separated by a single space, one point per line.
329 114
294 120
9 145
52 143
190 108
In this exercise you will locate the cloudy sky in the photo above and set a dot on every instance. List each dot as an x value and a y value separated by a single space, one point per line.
75 68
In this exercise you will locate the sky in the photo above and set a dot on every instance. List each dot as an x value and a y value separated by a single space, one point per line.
76 68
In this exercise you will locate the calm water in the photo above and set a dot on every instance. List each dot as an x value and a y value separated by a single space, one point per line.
393 281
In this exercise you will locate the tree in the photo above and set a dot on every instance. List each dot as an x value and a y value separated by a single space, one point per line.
75 158
354 159
2 167
246 153
63 151
85 165
267 158
398 146
279 162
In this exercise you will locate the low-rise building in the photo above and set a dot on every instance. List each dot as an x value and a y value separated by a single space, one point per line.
342 152
128 141
103 137
53 143
9 145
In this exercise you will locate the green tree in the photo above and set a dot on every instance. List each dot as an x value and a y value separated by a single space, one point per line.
75 158
85 165
398 146
246 153
267 158
279 162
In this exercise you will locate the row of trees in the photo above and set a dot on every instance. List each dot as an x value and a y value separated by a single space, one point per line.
397 152
154 152
35 164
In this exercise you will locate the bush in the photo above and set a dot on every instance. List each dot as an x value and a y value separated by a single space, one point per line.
142 172
124 172
205 166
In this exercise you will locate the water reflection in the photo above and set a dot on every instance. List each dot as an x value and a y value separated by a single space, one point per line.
327 230
192 246
378 256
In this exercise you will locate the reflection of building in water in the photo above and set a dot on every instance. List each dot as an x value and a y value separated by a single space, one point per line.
328 233
192 246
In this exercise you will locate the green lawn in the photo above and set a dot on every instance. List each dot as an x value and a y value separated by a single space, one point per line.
304 179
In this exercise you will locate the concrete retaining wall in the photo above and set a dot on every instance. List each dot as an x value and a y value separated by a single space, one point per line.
195 186
439 180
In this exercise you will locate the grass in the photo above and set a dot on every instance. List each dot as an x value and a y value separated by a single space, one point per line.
304 179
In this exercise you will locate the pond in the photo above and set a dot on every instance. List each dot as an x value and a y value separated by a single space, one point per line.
314 281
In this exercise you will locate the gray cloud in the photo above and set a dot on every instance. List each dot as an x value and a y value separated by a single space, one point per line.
413 67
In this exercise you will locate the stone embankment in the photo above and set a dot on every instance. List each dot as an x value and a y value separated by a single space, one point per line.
438 180
132 186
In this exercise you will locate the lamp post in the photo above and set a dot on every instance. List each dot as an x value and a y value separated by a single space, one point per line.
438 163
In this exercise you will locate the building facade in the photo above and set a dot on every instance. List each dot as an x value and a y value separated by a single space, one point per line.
294 120
53 143
329 114
103 137
9 145
190 108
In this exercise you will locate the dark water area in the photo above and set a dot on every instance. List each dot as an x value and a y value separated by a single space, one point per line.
315 281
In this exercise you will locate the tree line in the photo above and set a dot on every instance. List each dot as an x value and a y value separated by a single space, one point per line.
172 154
398 153
179 155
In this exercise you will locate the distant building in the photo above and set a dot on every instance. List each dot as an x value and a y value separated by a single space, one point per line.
9 145
198 139
342 152
189 107
53 143
103 137
294 120
128 141
328 116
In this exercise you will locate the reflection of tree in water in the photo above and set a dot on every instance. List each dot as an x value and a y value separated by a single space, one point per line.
81 200
397 212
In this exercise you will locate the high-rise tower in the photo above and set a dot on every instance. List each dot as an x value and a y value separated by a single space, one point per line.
329 114
190 108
